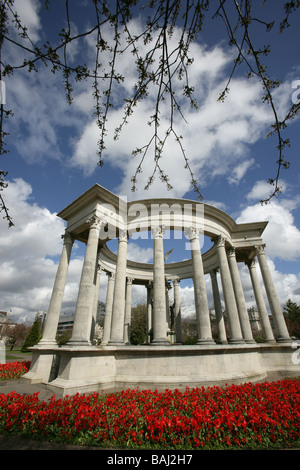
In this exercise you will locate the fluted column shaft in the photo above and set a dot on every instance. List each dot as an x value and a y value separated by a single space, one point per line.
96 299
201 303
159 293
260 303
83 314
282 331
239 297
118 313
218 308
149 311
108 308
52 318
228 293
127 322
177 312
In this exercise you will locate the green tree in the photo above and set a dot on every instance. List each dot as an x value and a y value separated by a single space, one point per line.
292 317
189 329
138 330
33 336
64 336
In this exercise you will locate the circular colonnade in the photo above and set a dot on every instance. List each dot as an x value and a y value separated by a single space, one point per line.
99 216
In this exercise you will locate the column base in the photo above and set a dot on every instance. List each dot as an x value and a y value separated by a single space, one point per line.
44 343
237 341
283 340
116 342
205 341
78 343
160 342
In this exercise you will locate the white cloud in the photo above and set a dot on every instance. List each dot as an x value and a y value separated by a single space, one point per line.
29 254
216 137
136 253
28 12
282 236
282 239
240 170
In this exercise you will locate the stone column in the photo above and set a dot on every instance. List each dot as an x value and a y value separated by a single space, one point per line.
260 303
83 314
127 322
159 293
52 318
108 308
177 312
168 316
228 293
118 313
218 308
282 331
201 303
96 299
149 311
239 297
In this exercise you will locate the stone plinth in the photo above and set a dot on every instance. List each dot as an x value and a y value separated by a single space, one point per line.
96 369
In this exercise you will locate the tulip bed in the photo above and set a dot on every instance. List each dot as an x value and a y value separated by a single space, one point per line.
248 416
13 370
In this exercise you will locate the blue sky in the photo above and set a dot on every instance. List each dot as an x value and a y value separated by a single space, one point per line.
52 157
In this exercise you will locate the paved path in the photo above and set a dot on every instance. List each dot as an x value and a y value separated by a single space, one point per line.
24 388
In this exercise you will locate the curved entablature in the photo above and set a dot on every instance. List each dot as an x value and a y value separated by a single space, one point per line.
142 273
142 215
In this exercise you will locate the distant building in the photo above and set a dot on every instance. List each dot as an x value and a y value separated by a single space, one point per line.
4 323
254 319
66 321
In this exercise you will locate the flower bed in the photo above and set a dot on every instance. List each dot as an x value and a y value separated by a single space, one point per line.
245 416
13 370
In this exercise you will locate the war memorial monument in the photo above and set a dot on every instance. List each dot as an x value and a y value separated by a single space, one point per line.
98 216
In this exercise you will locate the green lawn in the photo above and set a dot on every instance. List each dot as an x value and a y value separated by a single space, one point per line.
17 355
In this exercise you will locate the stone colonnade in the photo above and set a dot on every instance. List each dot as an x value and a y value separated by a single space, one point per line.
118 298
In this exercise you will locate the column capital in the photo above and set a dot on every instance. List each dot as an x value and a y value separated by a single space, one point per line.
260 249
68 238
99 267
176 282
219 241
129 280
123 235
158 231
94 221
250 263
149 285
193 232
213 273
231 251
110 276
